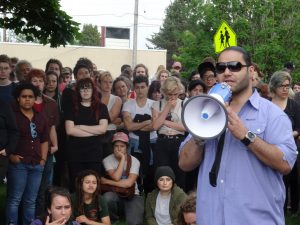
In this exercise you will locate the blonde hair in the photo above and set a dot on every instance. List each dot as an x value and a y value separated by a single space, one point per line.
171 84
104 74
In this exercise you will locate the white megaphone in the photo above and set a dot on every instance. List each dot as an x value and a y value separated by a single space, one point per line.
204 116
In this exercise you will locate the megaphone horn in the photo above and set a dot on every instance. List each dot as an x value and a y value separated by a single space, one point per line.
204 116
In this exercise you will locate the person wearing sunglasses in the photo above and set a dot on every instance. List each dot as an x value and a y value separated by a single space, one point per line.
279 86
207 73
258 148
26 164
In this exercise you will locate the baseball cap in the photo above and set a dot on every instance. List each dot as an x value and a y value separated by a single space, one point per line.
120 136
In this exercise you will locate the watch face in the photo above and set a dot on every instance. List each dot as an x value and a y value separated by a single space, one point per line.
251 136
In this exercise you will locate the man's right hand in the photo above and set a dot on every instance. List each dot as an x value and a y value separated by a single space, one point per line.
15 158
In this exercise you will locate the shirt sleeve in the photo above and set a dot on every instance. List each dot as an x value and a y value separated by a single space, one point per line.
107 163
280 134
104 113
45 130
189 137
104 208
126 106
12 130
135 166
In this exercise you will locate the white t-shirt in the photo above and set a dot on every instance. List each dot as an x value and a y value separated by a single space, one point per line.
162 209
111 163
133 108
175 116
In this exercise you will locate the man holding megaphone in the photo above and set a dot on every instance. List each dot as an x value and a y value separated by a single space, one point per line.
240 174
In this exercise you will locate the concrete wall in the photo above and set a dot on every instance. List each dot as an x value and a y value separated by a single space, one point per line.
110 59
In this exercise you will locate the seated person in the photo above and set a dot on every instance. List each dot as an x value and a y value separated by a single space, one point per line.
59 209
162 204
116 167
187 211
89 207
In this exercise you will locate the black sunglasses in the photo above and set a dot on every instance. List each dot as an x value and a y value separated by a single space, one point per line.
232 66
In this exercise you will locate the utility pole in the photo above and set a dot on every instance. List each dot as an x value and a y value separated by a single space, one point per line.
4 31
135 32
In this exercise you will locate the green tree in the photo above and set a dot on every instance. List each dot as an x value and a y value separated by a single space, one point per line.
41 20
90 36
268 29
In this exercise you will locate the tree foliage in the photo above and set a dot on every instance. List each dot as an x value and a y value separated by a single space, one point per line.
90 36
268 29
42 20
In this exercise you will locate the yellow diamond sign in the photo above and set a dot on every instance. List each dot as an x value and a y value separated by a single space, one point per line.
224 37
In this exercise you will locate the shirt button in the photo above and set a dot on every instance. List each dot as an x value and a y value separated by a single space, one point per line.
222 181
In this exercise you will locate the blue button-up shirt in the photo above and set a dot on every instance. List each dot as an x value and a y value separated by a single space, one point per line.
248 191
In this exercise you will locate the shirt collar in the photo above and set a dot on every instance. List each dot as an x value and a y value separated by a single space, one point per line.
254 99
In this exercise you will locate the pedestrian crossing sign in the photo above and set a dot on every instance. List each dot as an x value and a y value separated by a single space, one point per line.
224 37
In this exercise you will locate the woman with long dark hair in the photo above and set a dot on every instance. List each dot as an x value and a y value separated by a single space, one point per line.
85 123
89 207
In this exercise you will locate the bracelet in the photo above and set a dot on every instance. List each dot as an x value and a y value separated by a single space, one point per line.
43 160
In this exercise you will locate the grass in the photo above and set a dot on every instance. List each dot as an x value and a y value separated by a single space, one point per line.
289 220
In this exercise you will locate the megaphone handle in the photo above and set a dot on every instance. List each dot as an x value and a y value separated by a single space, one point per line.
213 174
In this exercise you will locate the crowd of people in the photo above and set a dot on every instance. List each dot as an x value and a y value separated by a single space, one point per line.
98 148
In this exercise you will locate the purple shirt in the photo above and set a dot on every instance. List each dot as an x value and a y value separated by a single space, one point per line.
28 147
248 191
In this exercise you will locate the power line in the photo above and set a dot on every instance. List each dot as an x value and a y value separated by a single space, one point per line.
117 15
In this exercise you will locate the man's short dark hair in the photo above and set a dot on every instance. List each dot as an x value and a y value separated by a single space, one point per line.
246 55
140 79
5 59
125 66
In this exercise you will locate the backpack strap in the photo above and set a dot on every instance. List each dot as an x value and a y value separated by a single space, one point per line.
129 160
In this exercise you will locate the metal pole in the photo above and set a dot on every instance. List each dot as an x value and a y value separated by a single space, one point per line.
135 32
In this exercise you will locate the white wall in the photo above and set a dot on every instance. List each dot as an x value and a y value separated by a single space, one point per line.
110 59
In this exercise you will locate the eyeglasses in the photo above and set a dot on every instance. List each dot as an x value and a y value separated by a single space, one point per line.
284 86
232 66
33 130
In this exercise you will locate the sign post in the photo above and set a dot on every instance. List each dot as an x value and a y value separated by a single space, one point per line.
224 37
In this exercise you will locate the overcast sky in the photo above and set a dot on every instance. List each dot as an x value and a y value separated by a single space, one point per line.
119 13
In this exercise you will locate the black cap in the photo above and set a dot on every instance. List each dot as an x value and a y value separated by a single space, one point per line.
164 171
203 67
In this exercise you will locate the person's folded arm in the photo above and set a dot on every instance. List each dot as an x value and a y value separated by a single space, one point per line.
74 131
125 183
133 126
95 129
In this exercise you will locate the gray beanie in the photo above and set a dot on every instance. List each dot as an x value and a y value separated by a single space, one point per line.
164 171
